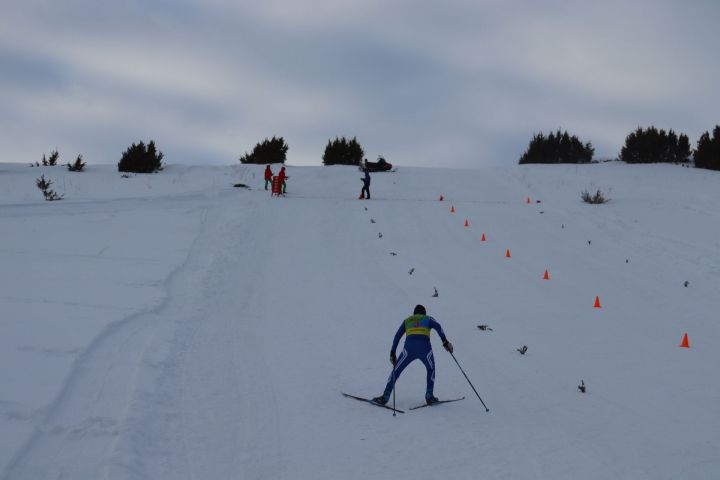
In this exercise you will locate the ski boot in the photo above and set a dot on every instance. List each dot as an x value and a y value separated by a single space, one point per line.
431 399
381 400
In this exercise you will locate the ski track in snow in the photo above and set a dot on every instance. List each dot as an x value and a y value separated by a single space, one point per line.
280 304
88 413
195 407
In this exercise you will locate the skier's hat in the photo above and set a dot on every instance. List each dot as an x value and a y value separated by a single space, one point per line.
419 310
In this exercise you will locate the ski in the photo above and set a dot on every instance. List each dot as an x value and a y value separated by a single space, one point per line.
436 403
367 400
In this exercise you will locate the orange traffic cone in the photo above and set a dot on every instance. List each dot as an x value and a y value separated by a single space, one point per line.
528 200
685 343
441 198
452 209
507 253
466 223
597 302
482 239
546 276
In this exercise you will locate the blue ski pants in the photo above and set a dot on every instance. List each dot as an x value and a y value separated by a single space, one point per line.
414 350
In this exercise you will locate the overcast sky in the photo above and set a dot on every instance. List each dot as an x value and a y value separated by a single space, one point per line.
453 83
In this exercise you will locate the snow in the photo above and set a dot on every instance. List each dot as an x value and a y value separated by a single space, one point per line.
172 326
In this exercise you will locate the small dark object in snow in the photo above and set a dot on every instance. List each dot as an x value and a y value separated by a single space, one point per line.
582 387
686 283
484 327
537 201
372 220
410 272
366 209
393 254
562 226
522 350
589 242
380 235
627 261
125 175
241 185
436 293
542 211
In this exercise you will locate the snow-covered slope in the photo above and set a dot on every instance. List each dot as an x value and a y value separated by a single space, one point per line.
172 326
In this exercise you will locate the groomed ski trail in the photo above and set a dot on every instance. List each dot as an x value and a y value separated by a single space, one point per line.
76 435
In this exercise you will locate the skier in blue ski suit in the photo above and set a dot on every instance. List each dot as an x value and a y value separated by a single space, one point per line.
366 184
417 347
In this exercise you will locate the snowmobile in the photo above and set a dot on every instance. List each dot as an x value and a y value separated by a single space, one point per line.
380 166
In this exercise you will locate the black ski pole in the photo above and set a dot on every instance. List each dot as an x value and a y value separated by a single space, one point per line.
393 375
466 378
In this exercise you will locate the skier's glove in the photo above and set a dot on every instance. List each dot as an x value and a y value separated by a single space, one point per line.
393 358
448 346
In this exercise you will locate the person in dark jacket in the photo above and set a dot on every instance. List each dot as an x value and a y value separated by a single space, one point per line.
417 347
366 185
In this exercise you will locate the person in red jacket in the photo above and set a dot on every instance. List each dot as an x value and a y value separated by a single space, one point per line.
268 175
282 176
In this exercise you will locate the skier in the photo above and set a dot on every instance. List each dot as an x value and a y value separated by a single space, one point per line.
268 175
417 346
366 185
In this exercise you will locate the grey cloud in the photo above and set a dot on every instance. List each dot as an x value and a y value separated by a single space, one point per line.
452 84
